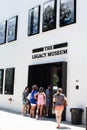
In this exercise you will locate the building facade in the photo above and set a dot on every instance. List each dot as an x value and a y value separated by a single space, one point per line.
41 42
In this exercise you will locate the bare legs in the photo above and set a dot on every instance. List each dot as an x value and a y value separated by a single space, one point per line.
40 107
25 109
41 110
32 111
47 109
28 107
58 116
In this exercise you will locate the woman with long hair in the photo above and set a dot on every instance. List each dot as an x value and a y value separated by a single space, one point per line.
41 100
26 105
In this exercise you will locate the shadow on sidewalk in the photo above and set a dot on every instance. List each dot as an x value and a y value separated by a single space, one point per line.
66 123
10 111
64 128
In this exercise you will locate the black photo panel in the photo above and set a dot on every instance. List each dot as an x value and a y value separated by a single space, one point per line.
67 12
9 81
33 20
3 27
49 16
1 80
12 29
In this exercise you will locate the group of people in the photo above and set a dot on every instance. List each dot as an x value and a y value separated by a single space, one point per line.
37 102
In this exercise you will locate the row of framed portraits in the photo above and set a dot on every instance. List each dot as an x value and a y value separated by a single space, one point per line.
8 29
9 81
67 16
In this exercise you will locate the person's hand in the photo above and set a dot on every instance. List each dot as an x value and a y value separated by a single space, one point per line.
54 100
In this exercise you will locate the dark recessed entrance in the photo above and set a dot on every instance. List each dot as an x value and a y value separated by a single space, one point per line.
54 74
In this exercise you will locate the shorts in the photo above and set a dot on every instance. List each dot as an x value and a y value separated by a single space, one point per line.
25 101
59 108
33 104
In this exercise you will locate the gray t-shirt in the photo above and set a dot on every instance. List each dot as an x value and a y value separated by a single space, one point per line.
59 98
25 94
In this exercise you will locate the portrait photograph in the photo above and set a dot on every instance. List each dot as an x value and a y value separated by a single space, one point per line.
12 29
49 16
67 12
33 20
9 80
1 80
3 27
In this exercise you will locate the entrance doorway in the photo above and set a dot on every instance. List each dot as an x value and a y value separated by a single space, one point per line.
53 74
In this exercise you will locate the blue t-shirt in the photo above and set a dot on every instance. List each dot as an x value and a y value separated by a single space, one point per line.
32 100
47 97
47 93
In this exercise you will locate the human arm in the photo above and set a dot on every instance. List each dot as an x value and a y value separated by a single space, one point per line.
65 101
54 99
36 96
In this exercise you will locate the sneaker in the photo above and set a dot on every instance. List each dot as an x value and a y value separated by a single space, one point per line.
23 114
28 114
43 118
36 117
46 114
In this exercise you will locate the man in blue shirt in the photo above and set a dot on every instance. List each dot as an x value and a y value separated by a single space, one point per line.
47 99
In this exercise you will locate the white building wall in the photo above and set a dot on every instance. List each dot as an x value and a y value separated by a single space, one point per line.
18 53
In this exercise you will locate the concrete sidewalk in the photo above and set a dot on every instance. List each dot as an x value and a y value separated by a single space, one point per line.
15 121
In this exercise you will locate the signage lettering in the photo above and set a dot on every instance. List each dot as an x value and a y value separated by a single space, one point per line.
48 52
47 48
53 53
60 52
38 55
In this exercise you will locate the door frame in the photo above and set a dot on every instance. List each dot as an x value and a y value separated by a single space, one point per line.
63 65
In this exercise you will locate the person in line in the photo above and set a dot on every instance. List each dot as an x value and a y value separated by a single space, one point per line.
59 99
33 101
25 101
44 107
47 99
41 100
